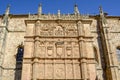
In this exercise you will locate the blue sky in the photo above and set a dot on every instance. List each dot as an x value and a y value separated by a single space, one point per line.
65 6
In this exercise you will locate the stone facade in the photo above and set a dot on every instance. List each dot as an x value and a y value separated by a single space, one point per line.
70 46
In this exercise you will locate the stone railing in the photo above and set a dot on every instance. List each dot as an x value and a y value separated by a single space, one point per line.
58 17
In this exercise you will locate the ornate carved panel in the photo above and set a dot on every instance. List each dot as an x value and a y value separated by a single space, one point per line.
59 71
69 50
49 71
59 60
59 51
49 50
54 29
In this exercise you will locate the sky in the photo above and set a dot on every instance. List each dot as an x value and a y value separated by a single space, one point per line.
112 7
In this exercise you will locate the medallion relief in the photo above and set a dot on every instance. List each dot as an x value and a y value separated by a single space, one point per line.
54 29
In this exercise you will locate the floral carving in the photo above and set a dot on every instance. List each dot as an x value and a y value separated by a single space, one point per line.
62 29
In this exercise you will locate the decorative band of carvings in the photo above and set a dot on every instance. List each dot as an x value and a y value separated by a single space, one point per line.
56 17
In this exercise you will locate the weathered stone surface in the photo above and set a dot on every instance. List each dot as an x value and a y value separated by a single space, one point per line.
58 47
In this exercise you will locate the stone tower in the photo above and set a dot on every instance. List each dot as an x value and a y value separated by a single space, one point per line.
59 46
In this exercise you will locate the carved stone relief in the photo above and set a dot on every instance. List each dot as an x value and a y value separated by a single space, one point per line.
58 62
59 71
56 17
49 50
68 51
59 49
49 71
54 29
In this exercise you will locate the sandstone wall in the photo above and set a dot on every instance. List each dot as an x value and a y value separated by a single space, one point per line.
16 32
15 36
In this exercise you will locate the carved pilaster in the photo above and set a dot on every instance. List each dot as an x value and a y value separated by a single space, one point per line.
36 52
80 28
35 58
81 50
35 69
36 46
37 28
83 60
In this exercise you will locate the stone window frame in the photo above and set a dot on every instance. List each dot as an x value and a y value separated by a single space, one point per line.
19 54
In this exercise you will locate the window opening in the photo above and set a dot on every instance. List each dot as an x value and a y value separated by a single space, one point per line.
118 53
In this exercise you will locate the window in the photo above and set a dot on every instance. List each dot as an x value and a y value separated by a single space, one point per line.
19 56
118 53
19 59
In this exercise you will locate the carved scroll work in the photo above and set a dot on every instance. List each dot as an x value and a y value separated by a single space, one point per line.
53 56
56 49
54 29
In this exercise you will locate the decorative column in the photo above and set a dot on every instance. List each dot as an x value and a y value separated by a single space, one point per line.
82 51
36 52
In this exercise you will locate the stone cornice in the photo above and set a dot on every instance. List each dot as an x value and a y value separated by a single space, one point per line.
26 15
58 17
